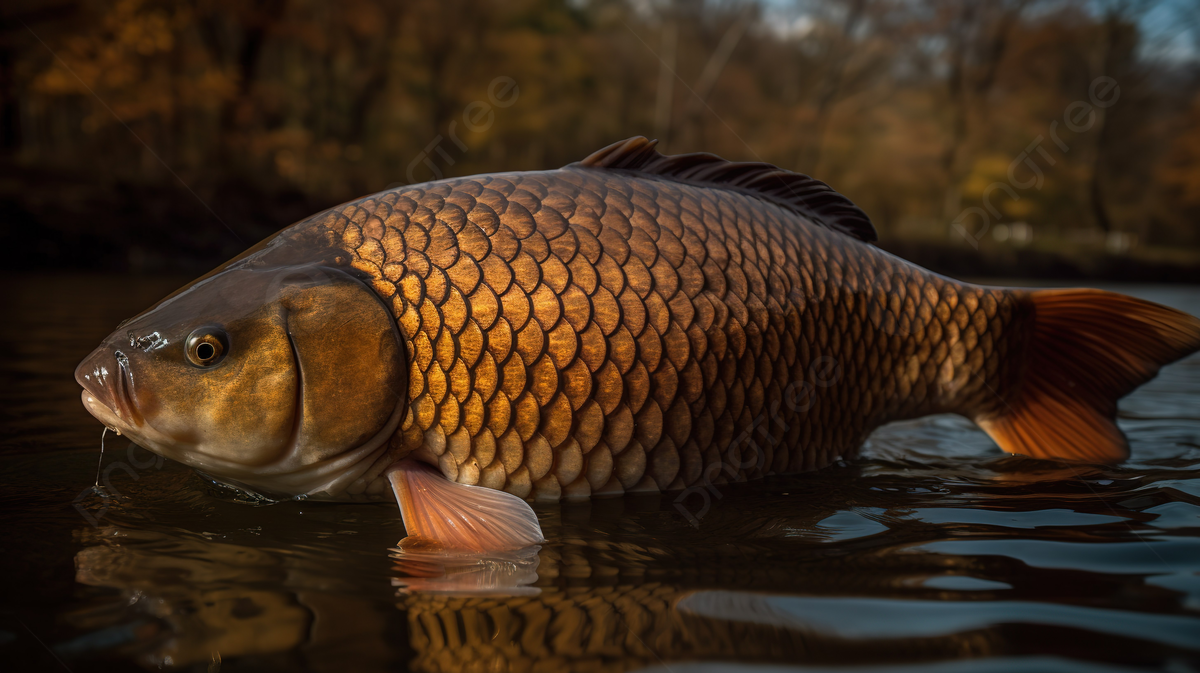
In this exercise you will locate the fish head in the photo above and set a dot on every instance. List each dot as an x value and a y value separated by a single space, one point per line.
272 378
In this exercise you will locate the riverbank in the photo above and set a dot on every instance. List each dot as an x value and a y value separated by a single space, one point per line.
53 220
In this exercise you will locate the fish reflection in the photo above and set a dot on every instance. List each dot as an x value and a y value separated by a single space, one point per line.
865 618
627 584
598 604
496 573
197 600
629 626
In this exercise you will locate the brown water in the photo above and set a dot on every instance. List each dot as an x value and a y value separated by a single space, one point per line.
931 553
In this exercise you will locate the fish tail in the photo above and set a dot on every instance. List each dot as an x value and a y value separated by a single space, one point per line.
1084 350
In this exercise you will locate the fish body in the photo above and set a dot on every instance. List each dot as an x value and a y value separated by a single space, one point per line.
579 332
630 323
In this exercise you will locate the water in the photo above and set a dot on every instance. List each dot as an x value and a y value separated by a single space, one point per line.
932 553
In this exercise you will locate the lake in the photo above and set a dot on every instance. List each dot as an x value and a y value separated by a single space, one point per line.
932 552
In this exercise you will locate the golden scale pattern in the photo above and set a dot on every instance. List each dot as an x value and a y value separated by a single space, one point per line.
601 608
630 627
581 332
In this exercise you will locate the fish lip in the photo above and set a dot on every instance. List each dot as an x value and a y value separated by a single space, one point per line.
101 411
106 394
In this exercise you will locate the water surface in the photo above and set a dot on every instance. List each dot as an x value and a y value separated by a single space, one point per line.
933 552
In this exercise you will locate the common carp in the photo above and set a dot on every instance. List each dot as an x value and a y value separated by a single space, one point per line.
630 322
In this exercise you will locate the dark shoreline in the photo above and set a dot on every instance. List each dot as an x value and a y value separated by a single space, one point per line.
960 260
54 221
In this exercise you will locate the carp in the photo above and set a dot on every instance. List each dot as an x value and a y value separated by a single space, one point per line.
632 322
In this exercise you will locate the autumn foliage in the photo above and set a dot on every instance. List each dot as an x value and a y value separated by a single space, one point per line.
1063 127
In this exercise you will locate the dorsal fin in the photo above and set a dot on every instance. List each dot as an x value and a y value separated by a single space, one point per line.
799 193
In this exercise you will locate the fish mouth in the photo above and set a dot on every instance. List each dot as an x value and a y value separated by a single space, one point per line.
107 382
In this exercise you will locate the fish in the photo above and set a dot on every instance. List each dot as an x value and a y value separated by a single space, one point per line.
633 322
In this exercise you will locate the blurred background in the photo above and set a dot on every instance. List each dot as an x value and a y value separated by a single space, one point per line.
1038 138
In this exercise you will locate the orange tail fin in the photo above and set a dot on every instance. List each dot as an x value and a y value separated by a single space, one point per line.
1086 350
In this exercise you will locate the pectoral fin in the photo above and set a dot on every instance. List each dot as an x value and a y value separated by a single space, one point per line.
442 514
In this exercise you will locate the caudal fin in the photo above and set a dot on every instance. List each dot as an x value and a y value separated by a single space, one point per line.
1086 350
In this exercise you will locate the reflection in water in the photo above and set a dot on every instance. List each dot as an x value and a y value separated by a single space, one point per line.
203 600
932 553
871 618
492 574
627 584
598 605
992 665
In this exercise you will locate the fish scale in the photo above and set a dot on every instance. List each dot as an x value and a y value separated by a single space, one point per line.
630 323
625 627
581 332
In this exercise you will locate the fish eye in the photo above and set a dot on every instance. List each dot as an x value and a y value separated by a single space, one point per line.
206 346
